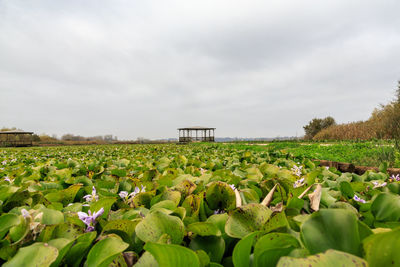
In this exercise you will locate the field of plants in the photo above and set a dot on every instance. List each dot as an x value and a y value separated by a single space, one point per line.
191 205
363 153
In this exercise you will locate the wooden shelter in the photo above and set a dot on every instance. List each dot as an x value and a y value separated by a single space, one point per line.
196 134
16 138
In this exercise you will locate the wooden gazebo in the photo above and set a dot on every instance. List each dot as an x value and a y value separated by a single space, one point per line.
16 138
196 134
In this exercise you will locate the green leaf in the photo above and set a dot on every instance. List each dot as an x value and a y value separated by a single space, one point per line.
346 189
247 219
104 203
118 172
331 258
203 229
213 245
386 207
63 245
38 254
169 255
242 250
80 248
105 251
156 224
7 221
331 229
271 247
383 249
51 216
219 195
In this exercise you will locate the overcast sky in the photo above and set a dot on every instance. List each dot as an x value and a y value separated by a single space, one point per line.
144 68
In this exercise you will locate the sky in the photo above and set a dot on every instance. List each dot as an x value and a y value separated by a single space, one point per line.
145 68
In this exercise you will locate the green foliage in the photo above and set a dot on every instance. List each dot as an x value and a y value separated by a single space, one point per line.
151 206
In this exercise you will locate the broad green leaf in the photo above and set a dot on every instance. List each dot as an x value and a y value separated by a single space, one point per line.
51 216
331 258
242 250
63 245
247 219
105 251
271 247
331 229
157 223
220 195
7 221
104 203
203 229
37 254
214 246
382 249
80 248
386 207
169 255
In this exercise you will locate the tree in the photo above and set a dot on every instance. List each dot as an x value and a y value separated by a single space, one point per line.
316 125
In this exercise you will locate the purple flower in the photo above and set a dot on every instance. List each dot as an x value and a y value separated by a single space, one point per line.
89 219
297 170
123 194
377 184
219 211
92 197
298 183
232 186
397 177
358 199
25 213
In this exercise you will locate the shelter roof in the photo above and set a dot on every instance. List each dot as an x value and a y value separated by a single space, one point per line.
15 132
196 128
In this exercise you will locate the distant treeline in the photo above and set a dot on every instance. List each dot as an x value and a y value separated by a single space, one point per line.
384 123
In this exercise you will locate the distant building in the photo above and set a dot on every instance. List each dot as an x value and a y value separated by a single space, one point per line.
196 134
16 138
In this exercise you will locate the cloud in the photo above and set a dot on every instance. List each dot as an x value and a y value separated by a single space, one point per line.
252 69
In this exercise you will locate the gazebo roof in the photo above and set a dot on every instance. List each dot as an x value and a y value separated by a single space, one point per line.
196 128
15 132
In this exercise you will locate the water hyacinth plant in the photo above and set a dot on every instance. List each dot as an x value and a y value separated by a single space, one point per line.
192 210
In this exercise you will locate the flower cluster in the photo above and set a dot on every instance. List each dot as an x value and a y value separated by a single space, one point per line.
126 196
358 199
298 183
90 219
296 170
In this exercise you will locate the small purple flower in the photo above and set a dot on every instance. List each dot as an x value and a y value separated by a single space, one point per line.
297 170
89 219
123 194
219 211
397 177
232 186
25 213
92 197
298 183
377 184
358 199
